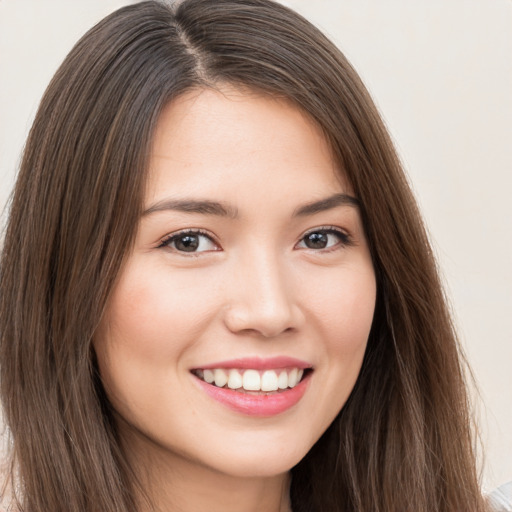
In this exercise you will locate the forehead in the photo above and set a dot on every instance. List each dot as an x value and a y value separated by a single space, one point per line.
228 138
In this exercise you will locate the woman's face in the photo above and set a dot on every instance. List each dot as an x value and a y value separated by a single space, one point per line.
250 267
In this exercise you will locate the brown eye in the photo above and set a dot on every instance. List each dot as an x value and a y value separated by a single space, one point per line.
317 240
190 242
187 243
324 239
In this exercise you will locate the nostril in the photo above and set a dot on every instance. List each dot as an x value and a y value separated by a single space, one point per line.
262 321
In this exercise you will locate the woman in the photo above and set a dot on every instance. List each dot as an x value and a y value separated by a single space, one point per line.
217 291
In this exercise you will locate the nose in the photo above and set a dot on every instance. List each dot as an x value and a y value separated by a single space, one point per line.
262 298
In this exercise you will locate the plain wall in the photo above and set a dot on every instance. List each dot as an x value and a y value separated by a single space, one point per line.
441 73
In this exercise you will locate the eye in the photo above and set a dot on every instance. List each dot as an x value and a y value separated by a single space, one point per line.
190 241
324 238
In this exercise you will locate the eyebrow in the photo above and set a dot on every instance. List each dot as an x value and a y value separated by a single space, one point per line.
207 207
326 204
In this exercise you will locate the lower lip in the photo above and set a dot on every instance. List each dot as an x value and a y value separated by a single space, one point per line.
257 405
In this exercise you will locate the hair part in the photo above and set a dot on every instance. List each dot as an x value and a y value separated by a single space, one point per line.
401 442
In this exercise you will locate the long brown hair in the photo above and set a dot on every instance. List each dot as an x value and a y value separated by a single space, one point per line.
402 442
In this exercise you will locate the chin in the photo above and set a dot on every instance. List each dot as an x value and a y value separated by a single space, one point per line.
262 466
261 459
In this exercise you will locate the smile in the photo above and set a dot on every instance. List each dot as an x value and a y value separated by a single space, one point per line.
254 386
251 380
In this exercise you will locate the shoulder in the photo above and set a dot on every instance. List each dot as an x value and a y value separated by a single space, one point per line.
500 499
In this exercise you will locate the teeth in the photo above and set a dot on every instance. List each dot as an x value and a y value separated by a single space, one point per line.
208 376
252 380
221 378
292 378
269 381
282 381
235 379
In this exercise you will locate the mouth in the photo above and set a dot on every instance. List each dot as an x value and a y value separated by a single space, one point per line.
255 386
251 380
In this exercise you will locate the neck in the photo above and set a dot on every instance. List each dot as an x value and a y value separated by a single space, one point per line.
172 483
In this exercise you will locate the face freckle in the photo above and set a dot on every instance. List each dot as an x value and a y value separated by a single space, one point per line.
222 281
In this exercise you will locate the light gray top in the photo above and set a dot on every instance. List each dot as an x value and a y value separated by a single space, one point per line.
501 498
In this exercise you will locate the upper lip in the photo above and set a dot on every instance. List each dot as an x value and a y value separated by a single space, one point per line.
258 363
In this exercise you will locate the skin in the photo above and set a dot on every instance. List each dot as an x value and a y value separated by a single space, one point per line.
254 289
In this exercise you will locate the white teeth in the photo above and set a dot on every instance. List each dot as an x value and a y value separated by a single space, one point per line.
221 378
282 381
292 378
235 379
208 376
269 381
252 380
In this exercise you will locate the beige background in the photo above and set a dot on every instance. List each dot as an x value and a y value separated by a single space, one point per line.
441 73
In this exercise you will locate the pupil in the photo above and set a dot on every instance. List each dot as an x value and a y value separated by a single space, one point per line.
187 243
316 240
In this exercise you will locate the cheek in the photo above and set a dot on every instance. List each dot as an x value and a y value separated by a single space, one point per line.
155 317
345 318
151 322
341 316
345 311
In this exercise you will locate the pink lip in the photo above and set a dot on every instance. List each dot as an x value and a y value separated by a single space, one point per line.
256 405
258 363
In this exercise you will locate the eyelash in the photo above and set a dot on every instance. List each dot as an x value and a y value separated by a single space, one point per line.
345 240
173 237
